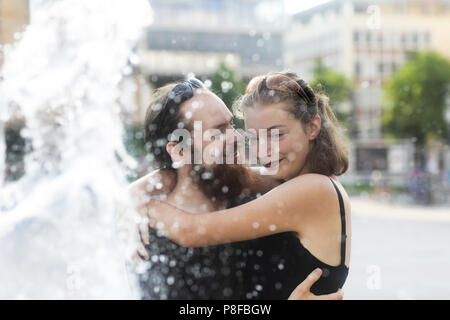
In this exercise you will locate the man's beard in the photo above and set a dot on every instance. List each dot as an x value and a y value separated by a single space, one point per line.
224 183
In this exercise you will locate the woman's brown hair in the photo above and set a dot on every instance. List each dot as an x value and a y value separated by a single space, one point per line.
328 155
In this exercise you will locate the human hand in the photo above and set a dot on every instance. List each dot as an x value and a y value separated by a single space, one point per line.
303 290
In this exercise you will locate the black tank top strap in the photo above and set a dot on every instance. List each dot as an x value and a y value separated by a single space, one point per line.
343 233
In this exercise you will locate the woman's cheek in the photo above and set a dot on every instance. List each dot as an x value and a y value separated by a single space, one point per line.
298 146
285 145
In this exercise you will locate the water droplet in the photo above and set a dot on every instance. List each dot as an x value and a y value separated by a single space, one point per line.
207 175
160 225
227 292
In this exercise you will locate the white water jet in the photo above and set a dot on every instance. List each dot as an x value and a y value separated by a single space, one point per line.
58 233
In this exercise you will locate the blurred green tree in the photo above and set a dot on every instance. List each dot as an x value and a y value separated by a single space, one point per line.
133 139
228 87
415 99
336 86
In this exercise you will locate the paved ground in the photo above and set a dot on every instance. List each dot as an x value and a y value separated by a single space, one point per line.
399 252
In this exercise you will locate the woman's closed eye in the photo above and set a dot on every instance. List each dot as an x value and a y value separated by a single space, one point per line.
276 135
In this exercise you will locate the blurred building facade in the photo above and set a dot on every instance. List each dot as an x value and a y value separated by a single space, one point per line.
194 37
367 40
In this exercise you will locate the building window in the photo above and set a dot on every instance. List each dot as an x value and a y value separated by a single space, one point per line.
355 36
403 39
371 158
380 38
357 69
427 37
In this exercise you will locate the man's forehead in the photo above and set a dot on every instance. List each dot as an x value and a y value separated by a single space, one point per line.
205 106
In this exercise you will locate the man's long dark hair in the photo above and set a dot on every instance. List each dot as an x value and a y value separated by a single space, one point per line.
161 120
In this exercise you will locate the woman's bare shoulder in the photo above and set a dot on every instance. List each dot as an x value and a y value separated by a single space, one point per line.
310 183
308 191
321 191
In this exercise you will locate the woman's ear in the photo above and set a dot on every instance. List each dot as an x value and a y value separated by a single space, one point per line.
314 127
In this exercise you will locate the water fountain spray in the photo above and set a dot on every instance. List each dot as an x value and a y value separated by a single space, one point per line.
58 233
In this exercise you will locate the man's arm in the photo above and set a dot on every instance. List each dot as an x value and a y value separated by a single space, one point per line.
157 182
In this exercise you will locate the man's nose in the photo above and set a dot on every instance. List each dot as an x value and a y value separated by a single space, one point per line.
239 137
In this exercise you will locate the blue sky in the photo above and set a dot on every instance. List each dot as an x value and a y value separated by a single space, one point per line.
293 6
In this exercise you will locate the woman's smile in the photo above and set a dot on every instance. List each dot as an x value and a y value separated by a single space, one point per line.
273 164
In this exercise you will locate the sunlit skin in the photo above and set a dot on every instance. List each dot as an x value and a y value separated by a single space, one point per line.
213 113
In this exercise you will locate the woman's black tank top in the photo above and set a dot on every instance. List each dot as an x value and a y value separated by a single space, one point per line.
276 264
